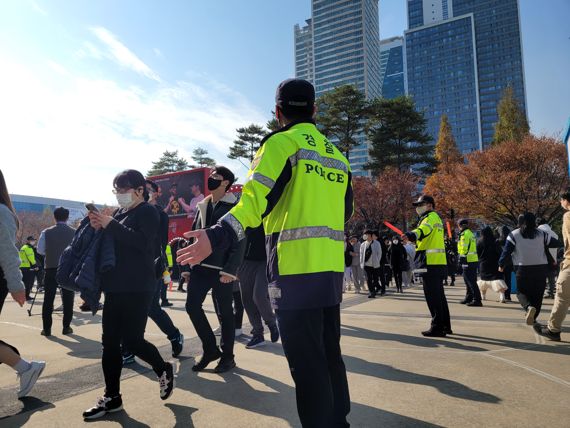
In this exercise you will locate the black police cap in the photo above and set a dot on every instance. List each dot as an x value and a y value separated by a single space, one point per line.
424 199
295 93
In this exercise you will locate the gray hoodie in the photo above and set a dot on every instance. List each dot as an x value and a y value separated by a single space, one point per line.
9 255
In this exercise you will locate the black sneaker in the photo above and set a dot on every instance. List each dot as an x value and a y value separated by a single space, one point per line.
255 342
372 296
166 304
104 405
465 302
447 330
166 381
225 364
128 359
274 331
177 345
433 333
67 330
546 332
205 360
46 333
474 303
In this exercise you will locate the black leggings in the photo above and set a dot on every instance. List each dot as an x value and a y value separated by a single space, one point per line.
398 279
124 319
531 282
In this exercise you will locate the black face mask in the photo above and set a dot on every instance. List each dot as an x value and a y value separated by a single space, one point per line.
213 183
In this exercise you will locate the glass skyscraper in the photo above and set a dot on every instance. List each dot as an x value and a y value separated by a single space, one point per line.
392 67
460 56
345 50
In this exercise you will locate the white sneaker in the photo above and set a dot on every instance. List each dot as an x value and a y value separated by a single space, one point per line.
239 332
530 313
29 377
218 331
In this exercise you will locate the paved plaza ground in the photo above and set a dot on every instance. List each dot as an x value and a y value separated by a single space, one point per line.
493 372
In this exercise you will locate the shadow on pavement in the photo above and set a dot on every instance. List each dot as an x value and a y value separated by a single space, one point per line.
27 407
183 415
445 386
121 418
79 346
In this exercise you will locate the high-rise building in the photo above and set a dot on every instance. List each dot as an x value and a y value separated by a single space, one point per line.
343 36
392 67
460 56
304 66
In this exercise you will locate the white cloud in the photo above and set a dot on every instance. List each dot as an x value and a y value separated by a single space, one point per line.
123 55
68 138
38 8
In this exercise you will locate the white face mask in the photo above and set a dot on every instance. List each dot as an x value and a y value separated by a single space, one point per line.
421 209
125 200
365 237
395 242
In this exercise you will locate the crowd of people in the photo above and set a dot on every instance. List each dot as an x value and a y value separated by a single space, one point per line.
275 255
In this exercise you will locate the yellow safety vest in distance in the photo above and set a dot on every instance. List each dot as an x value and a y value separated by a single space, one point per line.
299 184
467 246
430 242
168 251
27 256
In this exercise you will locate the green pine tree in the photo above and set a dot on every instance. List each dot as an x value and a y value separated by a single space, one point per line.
247 143
398 137
446 152
340 116
169 162
200 156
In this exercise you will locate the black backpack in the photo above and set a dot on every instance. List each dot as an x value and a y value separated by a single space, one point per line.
347 256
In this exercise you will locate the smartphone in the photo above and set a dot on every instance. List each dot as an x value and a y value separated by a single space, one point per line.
91 208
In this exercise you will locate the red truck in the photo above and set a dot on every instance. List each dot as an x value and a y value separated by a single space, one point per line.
178 195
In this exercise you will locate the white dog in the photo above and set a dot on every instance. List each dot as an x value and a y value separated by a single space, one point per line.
497 285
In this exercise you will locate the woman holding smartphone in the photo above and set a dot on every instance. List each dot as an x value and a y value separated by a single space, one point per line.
128 289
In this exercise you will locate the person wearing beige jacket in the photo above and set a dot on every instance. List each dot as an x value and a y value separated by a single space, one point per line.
562 297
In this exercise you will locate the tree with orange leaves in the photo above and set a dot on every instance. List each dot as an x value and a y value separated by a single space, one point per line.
506 180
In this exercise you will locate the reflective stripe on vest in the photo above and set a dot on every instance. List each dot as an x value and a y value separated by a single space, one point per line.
235 225
435 250
260 178
311 232
304 154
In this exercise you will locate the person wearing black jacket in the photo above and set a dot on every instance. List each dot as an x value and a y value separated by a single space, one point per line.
156 313
217 272
398 261
503 234
129 288
254 288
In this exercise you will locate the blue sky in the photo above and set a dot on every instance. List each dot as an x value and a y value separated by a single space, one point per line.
92 87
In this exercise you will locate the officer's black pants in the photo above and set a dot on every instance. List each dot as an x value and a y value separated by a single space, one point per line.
28 278
311 341
472 293
436 300
67 296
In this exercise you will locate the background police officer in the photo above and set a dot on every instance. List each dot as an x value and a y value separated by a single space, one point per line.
300 187
431 263
467 249
28 265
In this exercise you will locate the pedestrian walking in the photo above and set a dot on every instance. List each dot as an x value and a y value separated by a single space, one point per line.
528 247
254 289
217 273
398 260
502 234
11 283
431 264
348 279
489 251
300 187
370 256
451 255
129 289
51 244
28 265
155 312
552 259
357 272
562 298
467 250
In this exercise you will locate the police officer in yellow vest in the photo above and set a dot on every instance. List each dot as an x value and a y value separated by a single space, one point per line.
467 250
299 186
28 265
431 263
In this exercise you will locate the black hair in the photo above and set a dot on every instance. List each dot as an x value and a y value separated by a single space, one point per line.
527 225
130 179
61 214
565 195
487 235
369 232
226 174
540 221
295 114
152 184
